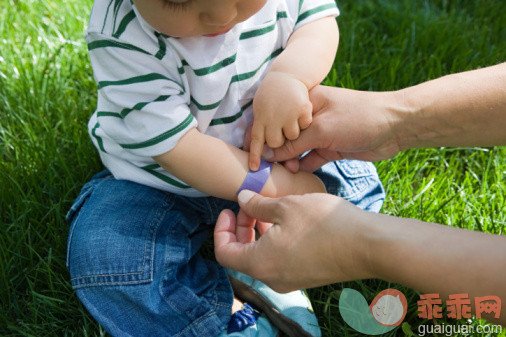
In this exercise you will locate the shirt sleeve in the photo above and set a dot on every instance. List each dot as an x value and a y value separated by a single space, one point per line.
311 10
142 104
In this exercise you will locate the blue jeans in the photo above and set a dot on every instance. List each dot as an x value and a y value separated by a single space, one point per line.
133 253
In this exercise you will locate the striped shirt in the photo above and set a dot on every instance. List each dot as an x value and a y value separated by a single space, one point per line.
153 88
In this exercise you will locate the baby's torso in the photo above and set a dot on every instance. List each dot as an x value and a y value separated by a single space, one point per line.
153 88
219 74
222 73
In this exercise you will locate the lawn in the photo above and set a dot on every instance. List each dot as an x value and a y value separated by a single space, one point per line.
47 94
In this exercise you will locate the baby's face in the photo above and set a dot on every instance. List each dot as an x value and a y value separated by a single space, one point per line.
185 18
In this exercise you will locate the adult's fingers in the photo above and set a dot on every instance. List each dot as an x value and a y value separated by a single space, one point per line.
259 207
245 228
263 226
292 165
320 96
317 158
292 148
229 252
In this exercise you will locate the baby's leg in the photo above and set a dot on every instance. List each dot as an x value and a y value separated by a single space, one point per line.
355 181
132 256
237 305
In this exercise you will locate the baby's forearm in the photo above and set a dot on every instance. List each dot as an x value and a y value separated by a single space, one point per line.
217 168
310 52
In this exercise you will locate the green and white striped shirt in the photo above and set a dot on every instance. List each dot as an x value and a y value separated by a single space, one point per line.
152 88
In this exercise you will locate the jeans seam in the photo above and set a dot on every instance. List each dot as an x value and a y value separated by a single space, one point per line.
165 268
79 201
69 243
197 322
357 171
219 304
118 283
361 185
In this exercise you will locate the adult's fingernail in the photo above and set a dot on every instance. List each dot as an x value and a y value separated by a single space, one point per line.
245 196
267 153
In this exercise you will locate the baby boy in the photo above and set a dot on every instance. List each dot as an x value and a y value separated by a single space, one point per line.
179 82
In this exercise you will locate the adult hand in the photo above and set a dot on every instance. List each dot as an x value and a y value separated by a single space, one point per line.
318 239
464 109
346 124
294 251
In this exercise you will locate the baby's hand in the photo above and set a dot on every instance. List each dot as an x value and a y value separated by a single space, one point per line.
281 108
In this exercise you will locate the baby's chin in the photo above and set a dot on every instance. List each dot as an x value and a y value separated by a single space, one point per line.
217 34
178 33
181 35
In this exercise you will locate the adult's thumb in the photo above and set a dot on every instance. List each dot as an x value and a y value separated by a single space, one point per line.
228 250
292 148
262 208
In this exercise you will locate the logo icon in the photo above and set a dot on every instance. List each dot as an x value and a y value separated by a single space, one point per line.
386 311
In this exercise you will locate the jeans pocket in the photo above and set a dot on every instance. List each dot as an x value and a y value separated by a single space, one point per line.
113 234
354 180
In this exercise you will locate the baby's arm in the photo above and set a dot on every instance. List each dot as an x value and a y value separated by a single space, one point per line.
217 168
281 105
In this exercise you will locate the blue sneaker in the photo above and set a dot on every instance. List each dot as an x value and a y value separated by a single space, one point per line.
292 313
249 322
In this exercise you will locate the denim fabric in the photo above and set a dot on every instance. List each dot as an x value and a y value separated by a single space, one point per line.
133 253
355 181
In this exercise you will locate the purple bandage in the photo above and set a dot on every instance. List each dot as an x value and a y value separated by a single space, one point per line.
255 180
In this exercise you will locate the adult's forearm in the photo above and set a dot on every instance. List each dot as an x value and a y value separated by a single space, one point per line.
433 258
464 109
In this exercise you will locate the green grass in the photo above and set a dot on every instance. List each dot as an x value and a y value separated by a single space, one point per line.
47 94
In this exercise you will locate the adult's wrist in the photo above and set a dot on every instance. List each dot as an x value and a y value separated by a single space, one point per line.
370 234
403 111
356 232
388 240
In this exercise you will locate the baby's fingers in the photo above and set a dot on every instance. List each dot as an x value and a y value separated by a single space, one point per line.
257 145
305 120
291 131
274 137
